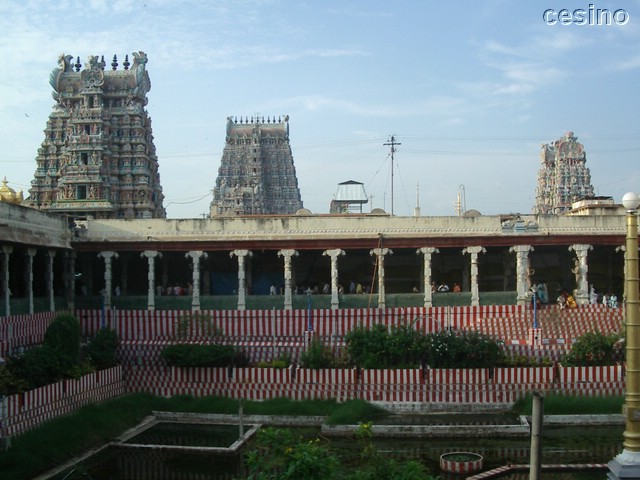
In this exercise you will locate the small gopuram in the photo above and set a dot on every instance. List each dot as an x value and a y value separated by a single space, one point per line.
257 175
563 177
98 159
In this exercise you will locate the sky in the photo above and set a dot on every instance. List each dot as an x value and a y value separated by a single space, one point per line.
470 90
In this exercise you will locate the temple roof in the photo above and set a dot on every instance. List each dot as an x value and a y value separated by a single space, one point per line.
8 194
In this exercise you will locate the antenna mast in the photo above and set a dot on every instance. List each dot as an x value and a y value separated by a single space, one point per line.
392 142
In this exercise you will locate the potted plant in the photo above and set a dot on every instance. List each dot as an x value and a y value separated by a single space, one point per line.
461 462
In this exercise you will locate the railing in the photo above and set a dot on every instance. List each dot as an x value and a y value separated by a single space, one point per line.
263 302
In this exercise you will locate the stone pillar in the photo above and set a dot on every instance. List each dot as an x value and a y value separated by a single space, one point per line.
31 252
380 253
106 291
523 280
7 250
151 277
242 285
287 255
52 303
580 270
124 275
195 257
427 252
70 279
475 294
334 254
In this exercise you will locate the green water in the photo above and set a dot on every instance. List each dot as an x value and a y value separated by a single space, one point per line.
559 445
191 435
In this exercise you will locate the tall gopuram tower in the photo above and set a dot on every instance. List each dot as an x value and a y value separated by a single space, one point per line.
256 175
98 159
563 177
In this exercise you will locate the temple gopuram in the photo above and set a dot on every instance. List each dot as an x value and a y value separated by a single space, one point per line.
98 159
257 174
563 177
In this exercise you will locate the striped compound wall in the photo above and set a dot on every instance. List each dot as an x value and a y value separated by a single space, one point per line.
24 411
19 331
500 385
269 334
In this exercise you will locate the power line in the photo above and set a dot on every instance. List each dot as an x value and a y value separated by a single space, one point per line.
392 142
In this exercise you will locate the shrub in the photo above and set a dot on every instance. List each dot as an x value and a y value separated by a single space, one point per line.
448 349
63 336
318 355
279 455
9 383
405 347
595 348
366 346
183 355
103 348
39 366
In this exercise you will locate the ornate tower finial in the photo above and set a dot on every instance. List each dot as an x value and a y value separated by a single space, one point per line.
114 63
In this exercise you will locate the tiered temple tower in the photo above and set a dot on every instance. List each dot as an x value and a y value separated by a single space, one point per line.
98 159
563 177
257 174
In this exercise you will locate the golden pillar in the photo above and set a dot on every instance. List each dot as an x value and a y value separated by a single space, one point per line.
632 398
627 464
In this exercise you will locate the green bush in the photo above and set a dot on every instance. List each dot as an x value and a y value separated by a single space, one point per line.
278 454
9 383
63 335
184 355
448 349
102 350
595 348
39 366
366 346
318 355
404 347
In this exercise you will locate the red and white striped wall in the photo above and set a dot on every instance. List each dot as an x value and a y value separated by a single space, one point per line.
27 410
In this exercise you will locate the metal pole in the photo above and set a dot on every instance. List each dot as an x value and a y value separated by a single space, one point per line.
632 397
535 467
627 463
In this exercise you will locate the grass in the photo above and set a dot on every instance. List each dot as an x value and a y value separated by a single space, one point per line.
570 405
59 440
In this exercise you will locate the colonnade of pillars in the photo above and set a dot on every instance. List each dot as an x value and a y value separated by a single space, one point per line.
7 251
522 268
522 252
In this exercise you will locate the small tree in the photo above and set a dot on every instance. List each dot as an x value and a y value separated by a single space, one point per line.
595 348
318 355
63 336
103 349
